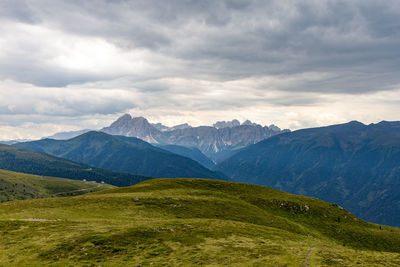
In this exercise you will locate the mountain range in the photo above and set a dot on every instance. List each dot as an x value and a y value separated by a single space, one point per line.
354 165
122 154
217 142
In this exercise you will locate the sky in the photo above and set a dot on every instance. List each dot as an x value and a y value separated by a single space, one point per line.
75 64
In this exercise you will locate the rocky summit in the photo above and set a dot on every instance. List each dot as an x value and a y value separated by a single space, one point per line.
217 142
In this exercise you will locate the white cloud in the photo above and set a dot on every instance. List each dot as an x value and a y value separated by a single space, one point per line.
44 111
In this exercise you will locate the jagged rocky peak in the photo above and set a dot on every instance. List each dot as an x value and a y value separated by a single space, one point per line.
123 118
226 124
140 120
274 128
134 127
248 122
233 123
127 119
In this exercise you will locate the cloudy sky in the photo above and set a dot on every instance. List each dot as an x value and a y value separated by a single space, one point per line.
73 64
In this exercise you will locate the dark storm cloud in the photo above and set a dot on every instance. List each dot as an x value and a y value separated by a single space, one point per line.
227 40
18 11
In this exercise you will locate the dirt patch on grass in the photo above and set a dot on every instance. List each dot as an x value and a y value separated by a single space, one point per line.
39 220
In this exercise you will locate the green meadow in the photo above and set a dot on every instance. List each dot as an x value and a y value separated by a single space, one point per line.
18 186
190 222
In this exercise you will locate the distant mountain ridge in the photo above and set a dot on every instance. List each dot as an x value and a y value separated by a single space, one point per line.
352 164
122 154
217 142
32 162
11 142
67 135
225 124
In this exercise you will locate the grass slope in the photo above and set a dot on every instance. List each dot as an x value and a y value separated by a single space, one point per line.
18 186
191 222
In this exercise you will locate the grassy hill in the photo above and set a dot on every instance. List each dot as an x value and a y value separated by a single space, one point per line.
17 186
27 161
191 222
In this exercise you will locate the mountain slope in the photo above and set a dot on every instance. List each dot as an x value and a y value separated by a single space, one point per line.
120 153
354 165
191 222
189 152
27 161
217 142
17 186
